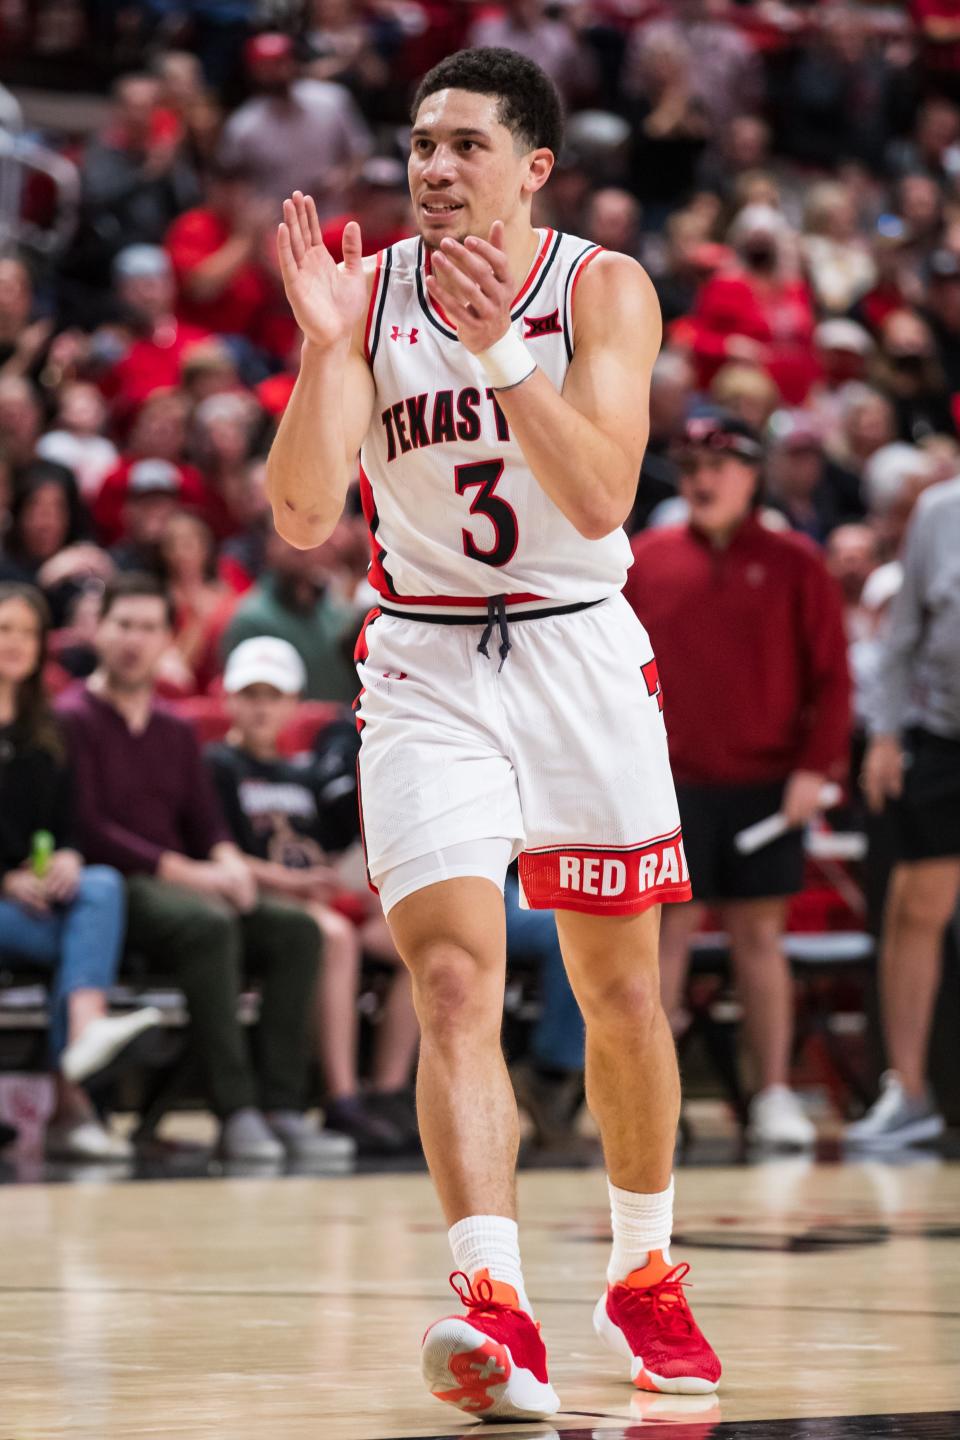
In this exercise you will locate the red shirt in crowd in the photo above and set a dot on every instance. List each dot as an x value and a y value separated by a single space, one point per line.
150 364
782 320
194 237
751 653
191 492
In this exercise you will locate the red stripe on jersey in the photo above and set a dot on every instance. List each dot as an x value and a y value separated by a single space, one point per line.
534 271
479 602
599 881
541 256
374 291
377 575
362 649
587 260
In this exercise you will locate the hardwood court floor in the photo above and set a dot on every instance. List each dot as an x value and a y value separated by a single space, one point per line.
292 1308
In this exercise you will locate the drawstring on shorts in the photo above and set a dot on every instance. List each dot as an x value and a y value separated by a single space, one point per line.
496 616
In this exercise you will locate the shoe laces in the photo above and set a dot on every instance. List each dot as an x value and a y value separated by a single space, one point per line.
664 1302
478 1299
891 1097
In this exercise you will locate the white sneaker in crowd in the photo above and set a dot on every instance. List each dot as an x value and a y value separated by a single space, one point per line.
245 1135
85 1140
895 1119
103 1043
303 1140
778 1119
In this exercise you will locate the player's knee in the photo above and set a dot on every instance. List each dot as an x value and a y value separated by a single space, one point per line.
450 989
625 1003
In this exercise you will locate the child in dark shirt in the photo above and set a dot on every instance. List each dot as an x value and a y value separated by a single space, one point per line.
288 818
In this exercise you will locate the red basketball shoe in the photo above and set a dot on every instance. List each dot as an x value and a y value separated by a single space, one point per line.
647 1320
490 1362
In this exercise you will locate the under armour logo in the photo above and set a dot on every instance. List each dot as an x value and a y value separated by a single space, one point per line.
538 325
397 334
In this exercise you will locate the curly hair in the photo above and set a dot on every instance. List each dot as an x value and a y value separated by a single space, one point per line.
529 104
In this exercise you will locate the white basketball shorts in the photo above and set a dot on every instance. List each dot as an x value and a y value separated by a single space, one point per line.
562 750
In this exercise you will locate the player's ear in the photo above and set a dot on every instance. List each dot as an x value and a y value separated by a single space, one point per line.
539 165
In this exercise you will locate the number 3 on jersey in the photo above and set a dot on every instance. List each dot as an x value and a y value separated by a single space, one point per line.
484 477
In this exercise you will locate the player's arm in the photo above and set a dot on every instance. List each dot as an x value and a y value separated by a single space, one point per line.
311 460
584 445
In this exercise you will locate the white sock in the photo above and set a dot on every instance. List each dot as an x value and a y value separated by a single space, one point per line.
489 1242
641 1223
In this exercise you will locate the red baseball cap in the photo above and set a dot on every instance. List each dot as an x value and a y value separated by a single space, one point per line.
272 45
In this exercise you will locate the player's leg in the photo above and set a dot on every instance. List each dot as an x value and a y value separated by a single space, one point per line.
490 1361
633 1089
451 937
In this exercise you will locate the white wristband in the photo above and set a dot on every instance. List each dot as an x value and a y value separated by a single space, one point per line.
508 362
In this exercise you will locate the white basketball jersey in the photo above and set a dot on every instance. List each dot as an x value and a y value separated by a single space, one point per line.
455 514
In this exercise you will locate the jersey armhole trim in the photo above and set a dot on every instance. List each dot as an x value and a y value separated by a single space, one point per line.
378 298
585 258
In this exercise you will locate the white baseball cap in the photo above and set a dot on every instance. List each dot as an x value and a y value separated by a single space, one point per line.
265 660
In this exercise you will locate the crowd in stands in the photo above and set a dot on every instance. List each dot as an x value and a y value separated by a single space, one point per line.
788 171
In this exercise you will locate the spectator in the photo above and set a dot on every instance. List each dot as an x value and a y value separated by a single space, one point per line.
761 311
852 556
670 122
838 260
21 418
295 134
226 427
152 461
380 203
48 515
727 77
276 812
525 26
201 602
22 341
843 350
906 368
146 805
723 597
912 767
54 910
293 601
243 556
152 498
866 422
613 221
78 441
134 179
943 317
144 284
215 250
745 391
814 493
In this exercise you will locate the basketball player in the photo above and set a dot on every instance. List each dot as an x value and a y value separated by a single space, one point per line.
494 379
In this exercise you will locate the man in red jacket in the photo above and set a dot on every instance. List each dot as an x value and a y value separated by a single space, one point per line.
747 626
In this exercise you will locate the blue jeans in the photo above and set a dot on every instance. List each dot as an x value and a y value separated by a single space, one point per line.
80 941
558 1036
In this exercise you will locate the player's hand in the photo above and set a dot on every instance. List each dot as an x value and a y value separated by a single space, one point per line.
327 300
801 798
472 284
881 778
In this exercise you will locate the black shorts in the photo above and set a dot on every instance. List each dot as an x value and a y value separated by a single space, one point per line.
711 815
926 818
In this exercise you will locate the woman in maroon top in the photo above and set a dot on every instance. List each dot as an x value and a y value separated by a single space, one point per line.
747 627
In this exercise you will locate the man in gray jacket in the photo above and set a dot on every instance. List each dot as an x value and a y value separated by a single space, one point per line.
913 764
